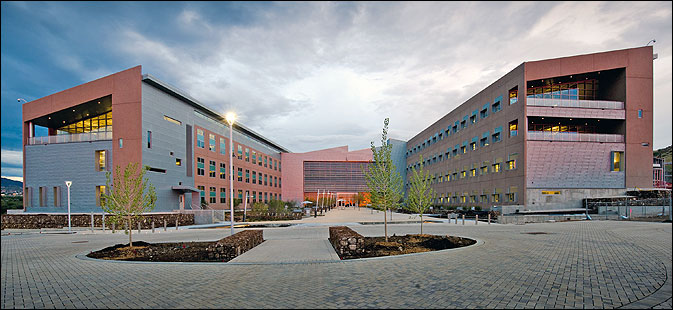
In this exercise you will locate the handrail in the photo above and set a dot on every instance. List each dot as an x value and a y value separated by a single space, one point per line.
568 103
79 137
574 137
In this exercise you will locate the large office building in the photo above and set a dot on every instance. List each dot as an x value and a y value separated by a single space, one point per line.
545 135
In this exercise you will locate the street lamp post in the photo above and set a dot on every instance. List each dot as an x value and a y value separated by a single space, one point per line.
68 183
245 205
231 118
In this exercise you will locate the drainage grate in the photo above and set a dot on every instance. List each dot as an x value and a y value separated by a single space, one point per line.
536 233
83 241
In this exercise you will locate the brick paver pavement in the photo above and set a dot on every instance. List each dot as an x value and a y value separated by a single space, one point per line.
598 264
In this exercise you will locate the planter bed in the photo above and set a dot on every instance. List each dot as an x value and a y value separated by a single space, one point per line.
222 250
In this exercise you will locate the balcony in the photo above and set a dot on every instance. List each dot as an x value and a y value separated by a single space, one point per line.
568 103
575 137
80 137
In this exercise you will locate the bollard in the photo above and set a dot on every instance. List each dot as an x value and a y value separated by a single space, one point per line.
476 219
176 223
103 220
463 219
152 226
91 221
455 216
113 227
126 227
164 224
489 219
138 227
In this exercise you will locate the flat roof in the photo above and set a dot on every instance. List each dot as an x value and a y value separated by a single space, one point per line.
177 93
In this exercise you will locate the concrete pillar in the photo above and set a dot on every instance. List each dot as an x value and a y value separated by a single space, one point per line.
489 219
476 219
463 219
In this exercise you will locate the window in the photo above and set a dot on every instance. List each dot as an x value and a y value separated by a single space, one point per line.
57 196
463 124
496 135
513 128
511 195
100 189
484 140
275 165
223 171
178 162
463 149
223 195
496 197
240 194
211 171
211 142
172 120
279 166
275 181
43 196
100 160
247 176
473 118
484 198
265 180
473 146
254 196
149 139
511 163
265 161
260 160
223 146
254 177
121 143
496 167
484 168
616 161
200 142
254 157
240 152
640 113
496 106
463 174
279 185
212 198
513 95
247 154
484 111
202 193
265 197
200 166
473 172
240 174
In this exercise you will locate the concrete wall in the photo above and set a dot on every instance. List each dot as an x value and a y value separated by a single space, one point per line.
567 199
52 164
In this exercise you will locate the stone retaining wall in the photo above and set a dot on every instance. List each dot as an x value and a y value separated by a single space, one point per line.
37 221
346 242
522 219
230 247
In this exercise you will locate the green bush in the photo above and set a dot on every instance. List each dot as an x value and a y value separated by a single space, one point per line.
260 207
11 203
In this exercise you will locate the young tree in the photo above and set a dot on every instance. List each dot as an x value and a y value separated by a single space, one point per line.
383 181
129 196
420 193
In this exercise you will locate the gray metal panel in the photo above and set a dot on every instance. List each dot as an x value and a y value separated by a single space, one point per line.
53 164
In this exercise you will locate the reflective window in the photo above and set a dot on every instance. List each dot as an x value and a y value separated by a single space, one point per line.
100 123
200 142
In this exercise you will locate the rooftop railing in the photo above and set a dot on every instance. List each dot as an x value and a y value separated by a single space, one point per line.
79 137
567 103
575 137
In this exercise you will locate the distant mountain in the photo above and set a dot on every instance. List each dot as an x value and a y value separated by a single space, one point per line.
665 153
11 185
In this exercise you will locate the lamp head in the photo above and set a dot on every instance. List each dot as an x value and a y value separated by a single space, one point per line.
68 183
230 117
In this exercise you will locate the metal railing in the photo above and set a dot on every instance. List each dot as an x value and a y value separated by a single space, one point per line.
574 136
567 103
79 137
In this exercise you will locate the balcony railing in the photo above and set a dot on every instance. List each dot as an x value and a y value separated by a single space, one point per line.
567 103
574 137
79 137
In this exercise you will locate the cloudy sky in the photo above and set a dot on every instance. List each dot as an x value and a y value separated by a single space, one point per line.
318 74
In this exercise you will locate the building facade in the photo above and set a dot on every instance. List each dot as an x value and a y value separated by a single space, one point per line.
546 135
543 136
130 117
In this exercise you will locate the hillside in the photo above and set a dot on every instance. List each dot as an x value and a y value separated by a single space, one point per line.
665 153
9 186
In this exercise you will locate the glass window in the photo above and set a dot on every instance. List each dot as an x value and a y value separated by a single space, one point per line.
223 146
240 152
100 160
640 113
617 161
265 180
149 139
265 161
254 157
496 106
240 174
200 166
200 142
254 177
247 154
223 170
121 143
211 142
223 195
57 196
178 162
202 193
213 195
513 95
247 176
513 128
211 171
100 189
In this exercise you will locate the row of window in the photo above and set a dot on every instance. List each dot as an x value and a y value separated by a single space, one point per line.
264 179
472 145
459 125
475 170
256 158
496 196
213 198
56 192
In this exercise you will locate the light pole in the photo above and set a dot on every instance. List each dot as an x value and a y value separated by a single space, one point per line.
317 203
231 118
68 183
245 205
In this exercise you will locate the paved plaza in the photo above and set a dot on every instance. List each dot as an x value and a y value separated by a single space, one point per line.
596 264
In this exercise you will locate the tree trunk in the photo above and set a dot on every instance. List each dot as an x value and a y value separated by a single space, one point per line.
385 221
130 232
421 223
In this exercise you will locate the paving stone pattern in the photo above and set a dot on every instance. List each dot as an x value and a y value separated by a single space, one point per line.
600 264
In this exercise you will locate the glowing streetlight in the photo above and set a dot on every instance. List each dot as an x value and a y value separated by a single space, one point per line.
231 118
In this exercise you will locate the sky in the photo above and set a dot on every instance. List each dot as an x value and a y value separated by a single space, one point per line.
314 75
